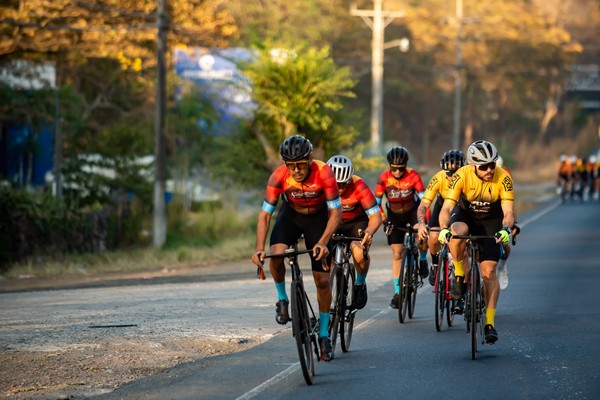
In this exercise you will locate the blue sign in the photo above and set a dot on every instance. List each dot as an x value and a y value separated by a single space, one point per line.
217 71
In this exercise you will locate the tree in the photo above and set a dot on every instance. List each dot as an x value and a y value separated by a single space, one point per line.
299 90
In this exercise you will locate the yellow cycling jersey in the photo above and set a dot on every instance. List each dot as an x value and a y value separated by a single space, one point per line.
437 184
479 197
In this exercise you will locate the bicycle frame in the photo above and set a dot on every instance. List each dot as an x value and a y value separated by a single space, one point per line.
409 278
342 284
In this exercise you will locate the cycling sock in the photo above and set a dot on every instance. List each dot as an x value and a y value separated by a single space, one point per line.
422 255
360 278
490 313
458 268
281 293
323 324
397 285
435 258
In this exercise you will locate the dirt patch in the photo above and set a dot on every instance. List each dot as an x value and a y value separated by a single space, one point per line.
87 369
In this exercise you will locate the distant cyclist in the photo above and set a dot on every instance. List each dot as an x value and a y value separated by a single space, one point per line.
361 215
437 189
403 188
486 207
311 207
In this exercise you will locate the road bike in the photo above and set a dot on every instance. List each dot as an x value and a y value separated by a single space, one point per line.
305 324
343 277
444 275
409 279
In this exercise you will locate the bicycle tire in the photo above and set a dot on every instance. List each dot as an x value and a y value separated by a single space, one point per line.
474 311
414 284
301 326
403 281
440 297
347 323
450 303
337 312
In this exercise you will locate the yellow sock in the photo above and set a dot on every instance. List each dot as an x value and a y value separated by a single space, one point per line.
490 313
458 268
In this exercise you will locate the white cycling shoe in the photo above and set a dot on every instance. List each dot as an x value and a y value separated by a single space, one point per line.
502 272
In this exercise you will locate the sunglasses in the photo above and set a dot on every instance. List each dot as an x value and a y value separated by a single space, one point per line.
298 164
487 166
395 168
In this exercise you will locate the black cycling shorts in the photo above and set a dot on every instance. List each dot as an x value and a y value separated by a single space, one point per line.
351 228
291 225
400 221
480 227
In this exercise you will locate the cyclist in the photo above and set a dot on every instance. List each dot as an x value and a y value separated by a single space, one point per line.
361 215
486 207
311 207
450 162
403 188
563 175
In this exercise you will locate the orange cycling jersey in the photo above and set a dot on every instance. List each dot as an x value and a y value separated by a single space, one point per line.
565 168
479 197
401 193
357 200
306 197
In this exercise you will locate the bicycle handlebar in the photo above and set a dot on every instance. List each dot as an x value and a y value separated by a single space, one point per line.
349 239
291 252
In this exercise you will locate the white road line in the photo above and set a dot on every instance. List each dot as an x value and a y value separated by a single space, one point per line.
288 371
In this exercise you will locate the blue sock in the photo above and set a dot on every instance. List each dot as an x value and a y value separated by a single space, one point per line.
422 256
281 293
323 324
360 278
397 284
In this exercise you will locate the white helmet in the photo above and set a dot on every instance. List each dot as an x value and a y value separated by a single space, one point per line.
499 162
482 152
342 168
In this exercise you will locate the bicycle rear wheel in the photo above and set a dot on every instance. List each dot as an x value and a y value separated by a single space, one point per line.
414 284
403 282
347 322
301 326
450 303
337 311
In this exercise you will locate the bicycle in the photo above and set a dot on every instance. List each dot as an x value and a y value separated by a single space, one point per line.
444 303
343 278
410 279
305 324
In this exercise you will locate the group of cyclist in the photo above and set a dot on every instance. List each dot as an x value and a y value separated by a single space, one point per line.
321 199
578 178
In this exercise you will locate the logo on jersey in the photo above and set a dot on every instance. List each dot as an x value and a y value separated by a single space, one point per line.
453 181
507 183
432 183
398 194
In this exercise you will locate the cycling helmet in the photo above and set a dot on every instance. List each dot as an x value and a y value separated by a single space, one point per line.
482 152
499 162
295 148
452 160
397 155
342 168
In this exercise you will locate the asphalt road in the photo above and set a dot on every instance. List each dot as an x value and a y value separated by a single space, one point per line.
548 322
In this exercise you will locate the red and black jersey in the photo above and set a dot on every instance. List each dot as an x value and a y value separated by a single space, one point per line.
318 190
357 200
401 193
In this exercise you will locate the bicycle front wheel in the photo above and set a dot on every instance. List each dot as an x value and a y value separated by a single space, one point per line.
301 326
414 284
404 286
440 296
474 311
337 311
347 323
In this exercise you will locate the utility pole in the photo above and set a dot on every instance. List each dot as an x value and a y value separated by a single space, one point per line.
457 76
377 20
160 211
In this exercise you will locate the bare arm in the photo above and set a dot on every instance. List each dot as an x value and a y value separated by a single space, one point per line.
375 221
421 211
509 214
262 228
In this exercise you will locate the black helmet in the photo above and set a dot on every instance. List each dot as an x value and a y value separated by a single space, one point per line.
452 160
397 155
295 148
